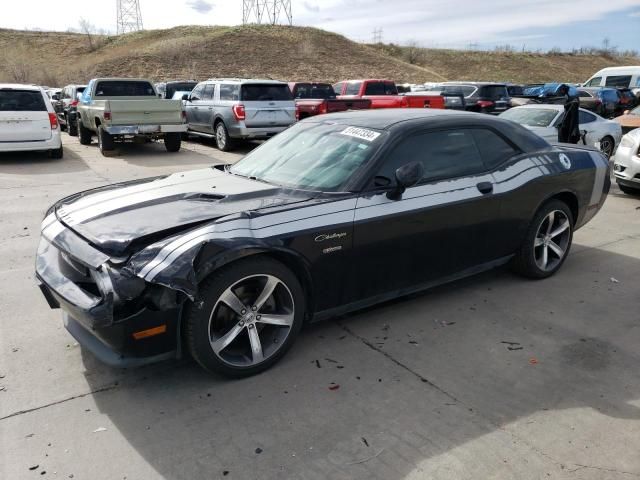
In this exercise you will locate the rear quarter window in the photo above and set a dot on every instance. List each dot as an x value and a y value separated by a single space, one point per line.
617 81
229 92
254 92
494 150
21 101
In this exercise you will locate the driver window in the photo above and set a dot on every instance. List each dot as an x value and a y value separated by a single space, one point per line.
444 154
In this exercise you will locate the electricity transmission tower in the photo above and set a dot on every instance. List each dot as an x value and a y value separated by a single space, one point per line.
129 16
266 11
377 35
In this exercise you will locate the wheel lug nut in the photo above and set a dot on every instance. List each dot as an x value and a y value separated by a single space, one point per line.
241 323
254 308
251 325
258 317
243 311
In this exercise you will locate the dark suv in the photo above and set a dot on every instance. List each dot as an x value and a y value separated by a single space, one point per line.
483 97
603 101
66 108
167 89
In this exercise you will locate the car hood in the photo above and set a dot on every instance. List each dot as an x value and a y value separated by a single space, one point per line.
121 218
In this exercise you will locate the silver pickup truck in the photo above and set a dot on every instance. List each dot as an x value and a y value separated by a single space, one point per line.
121 109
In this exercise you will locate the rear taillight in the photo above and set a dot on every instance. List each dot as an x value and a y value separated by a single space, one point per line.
598 101
485 103
184 116
322 109
238 112
74 103
107 115
53 121
297 112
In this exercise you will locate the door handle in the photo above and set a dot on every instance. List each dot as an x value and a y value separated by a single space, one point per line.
485 187
210 108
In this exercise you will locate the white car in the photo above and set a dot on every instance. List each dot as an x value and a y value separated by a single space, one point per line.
545 119
28 121
626 163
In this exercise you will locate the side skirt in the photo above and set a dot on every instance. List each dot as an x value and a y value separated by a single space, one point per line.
360 304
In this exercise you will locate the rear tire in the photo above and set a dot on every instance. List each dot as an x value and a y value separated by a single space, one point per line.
172 141
72 128
57 154
234 340
547 241
85 133
223 140
105 141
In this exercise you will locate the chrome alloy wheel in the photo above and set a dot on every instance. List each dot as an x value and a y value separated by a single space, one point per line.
552 240
221 136
251 320
606 146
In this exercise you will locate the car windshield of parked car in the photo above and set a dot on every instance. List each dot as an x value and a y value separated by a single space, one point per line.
21 101
265 92
124 88
315 91
311 156
531 117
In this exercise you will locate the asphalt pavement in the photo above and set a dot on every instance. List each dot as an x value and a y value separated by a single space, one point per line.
492 377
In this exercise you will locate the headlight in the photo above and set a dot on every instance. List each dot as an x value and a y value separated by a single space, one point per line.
627 141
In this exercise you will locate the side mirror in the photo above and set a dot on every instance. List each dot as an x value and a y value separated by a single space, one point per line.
185 97
406 176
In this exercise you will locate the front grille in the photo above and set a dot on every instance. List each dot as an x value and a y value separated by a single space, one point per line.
78 273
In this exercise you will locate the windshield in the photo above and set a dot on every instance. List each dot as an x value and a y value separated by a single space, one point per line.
531 117
311 156
315 90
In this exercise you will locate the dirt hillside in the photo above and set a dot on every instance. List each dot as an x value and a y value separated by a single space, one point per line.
288 53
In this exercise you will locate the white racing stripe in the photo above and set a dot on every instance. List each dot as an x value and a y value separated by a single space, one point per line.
257 222
266 232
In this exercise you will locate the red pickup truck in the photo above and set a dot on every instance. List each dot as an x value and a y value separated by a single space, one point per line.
318 98
384 94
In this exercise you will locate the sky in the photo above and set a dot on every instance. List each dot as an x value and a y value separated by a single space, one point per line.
479 24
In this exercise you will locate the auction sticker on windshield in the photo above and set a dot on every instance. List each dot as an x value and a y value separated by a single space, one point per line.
361 133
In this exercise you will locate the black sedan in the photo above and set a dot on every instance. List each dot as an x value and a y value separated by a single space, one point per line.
336 213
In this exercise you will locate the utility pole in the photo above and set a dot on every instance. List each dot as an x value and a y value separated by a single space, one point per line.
266 12
129 16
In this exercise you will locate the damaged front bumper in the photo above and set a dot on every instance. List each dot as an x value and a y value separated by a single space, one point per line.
104 310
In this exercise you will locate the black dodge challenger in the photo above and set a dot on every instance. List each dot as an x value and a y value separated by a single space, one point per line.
337 213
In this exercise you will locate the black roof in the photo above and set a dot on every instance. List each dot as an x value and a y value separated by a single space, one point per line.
398 119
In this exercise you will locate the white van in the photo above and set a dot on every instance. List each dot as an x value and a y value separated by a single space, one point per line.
616 77
28 121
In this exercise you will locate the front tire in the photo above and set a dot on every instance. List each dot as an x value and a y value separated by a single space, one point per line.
172 141
607 146
223 140
547 241
250 314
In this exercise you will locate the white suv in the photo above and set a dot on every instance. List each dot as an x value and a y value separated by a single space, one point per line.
28 121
